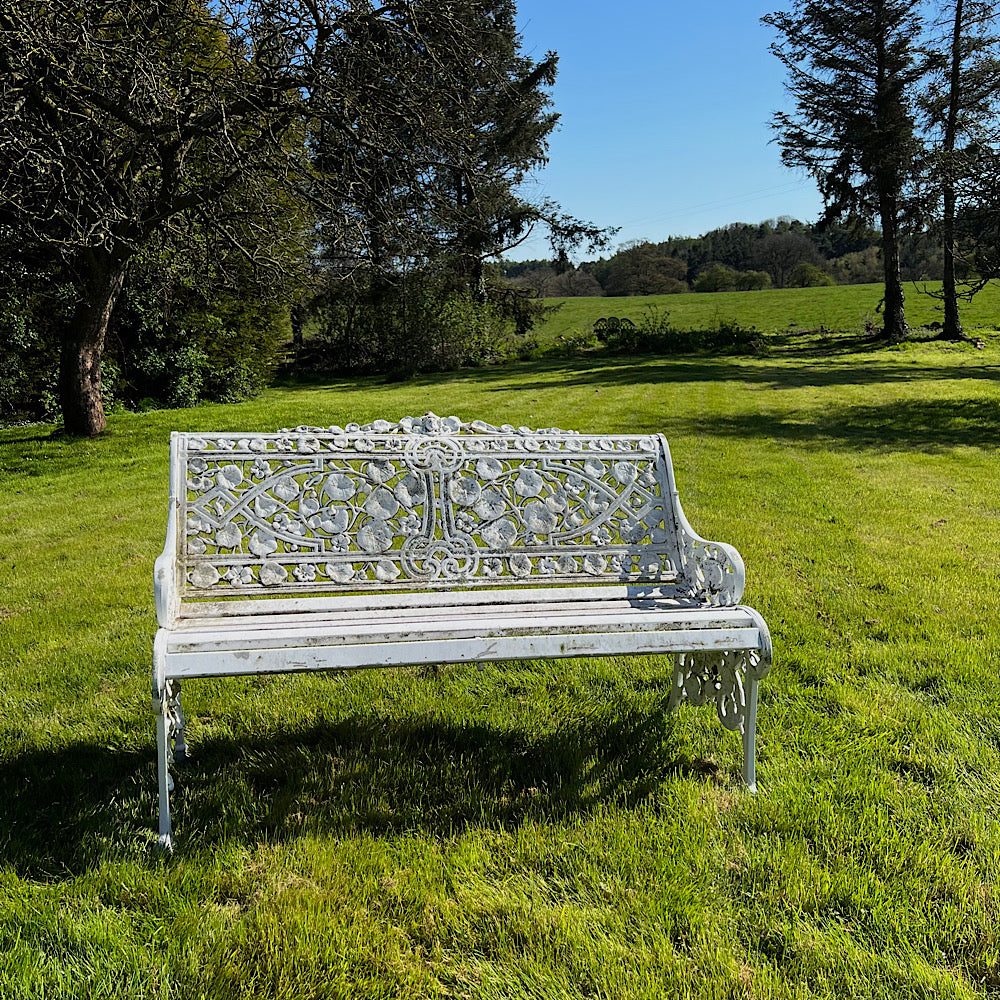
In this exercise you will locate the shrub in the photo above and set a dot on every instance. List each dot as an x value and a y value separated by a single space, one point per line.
32 310
654 335
722 278
167 344
806 275
419 323
178 349
751 281
715 278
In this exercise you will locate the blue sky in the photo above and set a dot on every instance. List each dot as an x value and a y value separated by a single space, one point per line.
665 108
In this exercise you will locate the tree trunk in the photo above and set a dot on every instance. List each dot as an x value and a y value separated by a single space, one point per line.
952 329
952 321
896 330
82 348
296 318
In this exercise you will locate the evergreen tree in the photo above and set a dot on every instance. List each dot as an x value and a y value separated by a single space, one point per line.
853 71
960 106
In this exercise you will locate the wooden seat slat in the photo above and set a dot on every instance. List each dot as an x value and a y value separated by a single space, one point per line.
369 602
208 662
462 612
326 633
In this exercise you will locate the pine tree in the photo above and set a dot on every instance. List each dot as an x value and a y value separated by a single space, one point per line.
853 71
960 107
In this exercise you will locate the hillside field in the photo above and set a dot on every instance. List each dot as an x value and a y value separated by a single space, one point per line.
775 310
541 829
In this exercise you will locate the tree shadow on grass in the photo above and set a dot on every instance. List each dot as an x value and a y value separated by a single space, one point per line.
75 808
899 425
849 357
850 368
632 371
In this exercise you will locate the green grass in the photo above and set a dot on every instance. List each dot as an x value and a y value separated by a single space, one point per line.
537 829
841 307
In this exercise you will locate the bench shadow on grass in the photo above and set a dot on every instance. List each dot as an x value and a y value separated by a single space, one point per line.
73 809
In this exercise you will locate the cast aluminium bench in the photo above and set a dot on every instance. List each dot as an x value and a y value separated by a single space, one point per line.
431 540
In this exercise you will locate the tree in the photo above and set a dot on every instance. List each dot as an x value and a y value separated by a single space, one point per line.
860 267
780 253
807 275
470 206
960 105
641 268
751 281
853 70
573 282
505 119
717 277
122 122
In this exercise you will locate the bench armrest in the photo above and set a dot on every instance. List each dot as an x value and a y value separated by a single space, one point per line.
713 570
165 589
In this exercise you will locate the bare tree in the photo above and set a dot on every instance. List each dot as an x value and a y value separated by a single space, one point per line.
780 253
571 283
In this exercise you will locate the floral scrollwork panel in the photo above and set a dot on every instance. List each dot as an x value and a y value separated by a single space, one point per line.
711 571
428 501
719 677
174 717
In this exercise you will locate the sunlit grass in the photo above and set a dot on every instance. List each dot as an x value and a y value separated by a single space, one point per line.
775 310
536 829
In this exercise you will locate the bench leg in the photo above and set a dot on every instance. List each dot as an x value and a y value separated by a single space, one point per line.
164 780
749 730
170 748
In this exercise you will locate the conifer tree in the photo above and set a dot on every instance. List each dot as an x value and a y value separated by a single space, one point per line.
854 67
960 106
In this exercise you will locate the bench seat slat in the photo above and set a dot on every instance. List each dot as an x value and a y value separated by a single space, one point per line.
423 599
285 659
407 616
334 631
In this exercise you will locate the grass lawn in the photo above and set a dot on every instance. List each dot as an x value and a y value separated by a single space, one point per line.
541 829
841 307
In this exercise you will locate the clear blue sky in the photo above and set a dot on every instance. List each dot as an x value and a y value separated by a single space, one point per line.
665 108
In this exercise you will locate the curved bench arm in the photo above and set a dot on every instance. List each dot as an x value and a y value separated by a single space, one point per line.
165 590
713 570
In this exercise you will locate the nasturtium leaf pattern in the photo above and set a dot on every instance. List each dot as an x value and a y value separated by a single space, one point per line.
433 501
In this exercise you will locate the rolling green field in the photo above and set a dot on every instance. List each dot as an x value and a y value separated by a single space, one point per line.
776 310
541 829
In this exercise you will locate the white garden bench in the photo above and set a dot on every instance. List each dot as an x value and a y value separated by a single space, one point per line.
433 541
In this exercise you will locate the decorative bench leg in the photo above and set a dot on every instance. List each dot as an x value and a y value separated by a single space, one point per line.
727 678
176 715
164 780
170 747
749 729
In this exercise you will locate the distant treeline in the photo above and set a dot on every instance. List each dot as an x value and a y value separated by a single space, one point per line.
778 253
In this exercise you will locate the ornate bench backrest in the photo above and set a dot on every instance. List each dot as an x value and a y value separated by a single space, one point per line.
426 503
